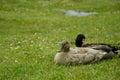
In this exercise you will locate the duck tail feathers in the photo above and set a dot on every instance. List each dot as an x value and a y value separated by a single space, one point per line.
116 49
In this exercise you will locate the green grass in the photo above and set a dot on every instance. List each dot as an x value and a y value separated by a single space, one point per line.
31 30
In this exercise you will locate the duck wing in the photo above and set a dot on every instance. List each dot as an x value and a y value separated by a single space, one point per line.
102 46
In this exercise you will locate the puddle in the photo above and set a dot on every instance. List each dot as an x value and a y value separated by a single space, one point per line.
76 13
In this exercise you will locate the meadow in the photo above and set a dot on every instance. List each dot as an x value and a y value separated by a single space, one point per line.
31 32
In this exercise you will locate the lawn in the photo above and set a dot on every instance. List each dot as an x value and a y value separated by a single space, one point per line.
31 32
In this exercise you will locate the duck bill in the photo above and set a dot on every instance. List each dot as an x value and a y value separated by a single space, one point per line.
60 49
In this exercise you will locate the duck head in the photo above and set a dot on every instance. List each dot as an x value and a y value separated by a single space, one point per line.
79 40
65 46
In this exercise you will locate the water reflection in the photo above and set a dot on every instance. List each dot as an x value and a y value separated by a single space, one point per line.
76 13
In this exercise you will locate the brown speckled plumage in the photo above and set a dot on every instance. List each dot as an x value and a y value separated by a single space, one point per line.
77 55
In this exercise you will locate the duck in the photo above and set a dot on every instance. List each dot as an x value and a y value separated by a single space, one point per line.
77 55
113 50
